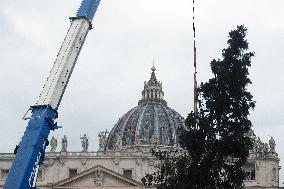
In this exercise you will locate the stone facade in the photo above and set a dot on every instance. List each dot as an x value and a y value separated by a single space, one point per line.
124 154
262 167
125 168
109 169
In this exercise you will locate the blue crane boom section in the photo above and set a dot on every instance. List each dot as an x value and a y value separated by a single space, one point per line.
88 8
31 150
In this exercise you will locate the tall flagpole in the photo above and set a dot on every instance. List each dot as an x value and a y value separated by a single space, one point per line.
194 62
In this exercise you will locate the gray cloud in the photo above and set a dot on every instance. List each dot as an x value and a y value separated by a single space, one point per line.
117 57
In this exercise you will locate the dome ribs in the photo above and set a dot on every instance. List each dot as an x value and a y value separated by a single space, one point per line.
170 125
156 124
152 120
141 117
127 140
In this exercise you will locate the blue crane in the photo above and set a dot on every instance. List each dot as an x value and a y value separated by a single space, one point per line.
31 150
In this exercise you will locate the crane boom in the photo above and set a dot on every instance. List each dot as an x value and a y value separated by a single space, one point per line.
57 81
31 151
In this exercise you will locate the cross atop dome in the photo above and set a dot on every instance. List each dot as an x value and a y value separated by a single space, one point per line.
153 80
153 67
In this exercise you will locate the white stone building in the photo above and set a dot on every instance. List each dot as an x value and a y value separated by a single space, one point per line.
124 154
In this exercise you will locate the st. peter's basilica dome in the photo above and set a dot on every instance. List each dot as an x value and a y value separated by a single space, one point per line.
152 121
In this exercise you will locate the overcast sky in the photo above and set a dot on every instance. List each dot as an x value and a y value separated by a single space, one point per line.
117 56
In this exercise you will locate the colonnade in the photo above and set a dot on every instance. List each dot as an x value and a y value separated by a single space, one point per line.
152 94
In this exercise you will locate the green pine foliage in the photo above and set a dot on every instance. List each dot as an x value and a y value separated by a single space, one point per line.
215 142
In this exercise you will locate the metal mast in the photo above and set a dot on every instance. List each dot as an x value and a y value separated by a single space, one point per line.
31 151
195 98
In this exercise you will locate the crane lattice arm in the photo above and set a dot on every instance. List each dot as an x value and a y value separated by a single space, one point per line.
31 151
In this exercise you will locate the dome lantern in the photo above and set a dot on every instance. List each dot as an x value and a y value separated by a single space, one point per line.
152 89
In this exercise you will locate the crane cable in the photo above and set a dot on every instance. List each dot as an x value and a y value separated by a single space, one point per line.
194 60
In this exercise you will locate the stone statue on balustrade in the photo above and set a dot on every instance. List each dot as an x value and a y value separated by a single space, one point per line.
146 134
118 141
253 138
272 145
85 143
153 143
53 144
102 141
164 135
259 146
265 149
64 144
252 135
129 136
137 141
